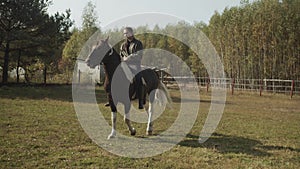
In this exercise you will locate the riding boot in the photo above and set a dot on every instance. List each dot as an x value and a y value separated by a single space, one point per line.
141 104
132 91
141 97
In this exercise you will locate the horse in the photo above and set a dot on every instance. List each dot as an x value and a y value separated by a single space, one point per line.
106 55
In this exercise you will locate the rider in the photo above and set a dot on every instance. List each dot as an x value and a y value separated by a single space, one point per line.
131 52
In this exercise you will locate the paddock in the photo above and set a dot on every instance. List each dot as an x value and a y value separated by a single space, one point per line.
39 129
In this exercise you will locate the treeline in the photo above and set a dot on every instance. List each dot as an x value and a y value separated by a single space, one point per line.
259 39
254 40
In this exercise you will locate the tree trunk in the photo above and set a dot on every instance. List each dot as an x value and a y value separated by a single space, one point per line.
5 65
45 75
18 66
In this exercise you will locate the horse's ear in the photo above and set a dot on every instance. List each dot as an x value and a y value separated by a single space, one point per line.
106 40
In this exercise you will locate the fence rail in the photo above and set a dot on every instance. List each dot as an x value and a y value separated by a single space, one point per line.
291 87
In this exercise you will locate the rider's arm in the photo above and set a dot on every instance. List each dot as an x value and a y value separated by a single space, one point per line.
123 52
138 52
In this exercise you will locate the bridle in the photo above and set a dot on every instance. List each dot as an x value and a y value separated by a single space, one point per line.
109 53
111 50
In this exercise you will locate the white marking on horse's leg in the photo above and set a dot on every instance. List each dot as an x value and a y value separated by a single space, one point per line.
150 123
158 97
127 121
146 107
113 124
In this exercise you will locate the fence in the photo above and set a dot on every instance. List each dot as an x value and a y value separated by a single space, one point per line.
291 87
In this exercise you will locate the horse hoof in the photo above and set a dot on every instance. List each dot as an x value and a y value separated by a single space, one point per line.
149 133
133 132
111 136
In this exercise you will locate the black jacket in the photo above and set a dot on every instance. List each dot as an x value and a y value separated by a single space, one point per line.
132 51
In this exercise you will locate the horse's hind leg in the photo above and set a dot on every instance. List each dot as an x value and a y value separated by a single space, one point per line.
150 114
127 119
150 123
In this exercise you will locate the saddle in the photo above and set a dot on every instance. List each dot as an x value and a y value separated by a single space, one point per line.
133 87
137 84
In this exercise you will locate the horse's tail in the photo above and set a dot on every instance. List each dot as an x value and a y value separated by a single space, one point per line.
163 98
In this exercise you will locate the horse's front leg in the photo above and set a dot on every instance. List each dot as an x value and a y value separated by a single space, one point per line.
113 117
113 124
127 119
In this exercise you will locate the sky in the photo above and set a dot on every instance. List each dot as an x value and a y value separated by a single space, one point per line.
109 11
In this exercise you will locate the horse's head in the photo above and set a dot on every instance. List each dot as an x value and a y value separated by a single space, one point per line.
99 52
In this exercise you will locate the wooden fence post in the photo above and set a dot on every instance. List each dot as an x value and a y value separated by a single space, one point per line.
79 74
260 88
232 86
292 88
207 85
162 76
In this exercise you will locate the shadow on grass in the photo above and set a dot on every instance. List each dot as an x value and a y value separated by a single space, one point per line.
280 148
39 92
179 100
233 144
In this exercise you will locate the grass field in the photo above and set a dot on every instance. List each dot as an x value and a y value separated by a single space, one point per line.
39 129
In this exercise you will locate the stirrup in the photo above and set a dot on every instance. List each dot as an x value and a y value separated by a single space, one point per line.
141 104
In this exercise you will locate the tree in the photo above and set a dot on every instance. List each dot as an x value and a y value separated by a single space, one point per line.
79 37
16 18
89 16
27 26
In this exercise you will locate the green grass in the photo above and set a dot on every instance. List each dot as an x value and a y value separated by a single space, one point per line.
39 129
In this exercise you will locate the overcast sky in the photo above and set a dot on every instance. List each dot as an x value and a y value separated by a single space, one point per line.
111 10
